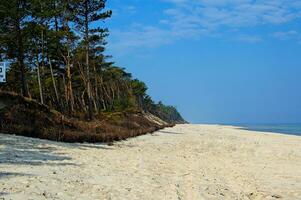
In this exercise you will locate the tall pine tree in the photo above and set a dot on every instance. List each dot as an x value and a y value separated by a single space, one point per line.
14 15
89 12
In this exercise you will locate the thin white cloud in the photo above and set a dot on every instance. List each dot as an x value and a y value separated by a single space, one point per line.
198 18
139 36
213 14
250 38
292 35
130 9
284 35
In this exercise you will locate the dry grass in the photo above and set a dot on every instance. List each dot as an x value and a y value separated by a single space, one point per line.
26 117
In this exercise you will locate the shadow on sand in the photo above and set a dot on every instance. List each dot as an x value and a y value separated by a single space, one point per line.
18 150
10 174
30 151
25 151
169 132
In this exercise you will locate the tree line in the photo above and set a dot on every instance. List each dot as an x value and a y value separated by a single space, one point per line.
56 51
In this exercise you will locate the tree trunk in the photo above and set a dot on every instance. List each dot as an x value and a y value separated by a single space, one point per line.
90 115
70 99
65 89
96 97
39 82
54 86
20 58
68 91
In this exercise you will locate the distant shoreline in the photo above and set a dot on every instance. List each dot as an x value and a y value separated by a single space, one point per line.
274 128
293 129
286 129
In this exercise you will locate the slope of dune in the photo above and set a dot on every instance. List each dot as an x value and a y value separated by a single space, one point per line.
26 117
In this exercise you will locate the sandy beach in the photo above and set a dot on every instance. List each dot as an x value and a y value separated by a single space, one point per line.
187 162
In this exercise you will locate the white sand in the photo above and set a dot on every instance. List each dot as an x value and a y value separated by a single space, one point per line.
186 162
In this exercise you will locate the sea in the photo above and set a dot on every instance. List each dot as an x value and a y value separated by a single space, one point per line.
290 129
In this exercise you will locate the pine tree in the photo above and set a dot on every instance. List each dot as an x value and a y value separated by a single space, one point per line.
14 16
68 41
56 51
91 11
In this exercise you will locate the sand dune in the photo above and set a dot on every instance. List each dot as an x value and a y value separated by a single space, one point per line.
186 162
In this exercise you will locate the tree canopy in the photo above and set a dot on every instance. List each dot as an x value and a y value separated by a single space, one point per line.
56 55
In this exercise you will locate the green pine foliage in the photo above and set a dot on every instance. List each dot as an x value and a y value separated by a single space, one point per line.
56 55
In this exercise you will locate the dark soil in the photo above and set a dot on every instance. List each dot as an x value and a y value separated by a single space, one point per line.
26 117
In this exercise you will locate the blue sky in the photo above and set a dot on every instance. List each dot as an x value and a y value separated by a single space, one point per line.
217 61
